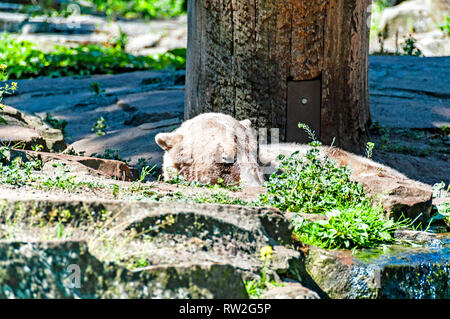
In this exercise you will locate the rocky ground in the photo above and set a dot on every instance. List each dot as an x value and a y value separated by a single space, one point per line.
89 212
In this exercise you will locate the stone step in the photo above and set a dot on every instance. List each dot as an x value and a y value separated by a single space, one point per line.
66 269
418 271
171 233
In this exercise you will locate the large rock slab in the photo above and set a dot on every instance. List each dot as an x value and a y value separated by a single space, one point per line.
81 165
29 130
399 195
409 92
68 270
402 272
290 290
136 107
418 15
418 18
179 232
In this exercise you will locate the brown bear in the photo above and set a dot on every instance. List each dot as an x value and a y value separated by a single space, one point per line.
212 147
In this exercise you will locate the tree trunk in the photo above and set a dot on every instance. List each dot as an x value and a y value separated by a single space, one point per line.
244 55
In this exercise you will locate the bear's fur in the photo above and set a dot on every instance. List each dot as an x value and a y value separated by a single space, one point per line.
211 147
215 146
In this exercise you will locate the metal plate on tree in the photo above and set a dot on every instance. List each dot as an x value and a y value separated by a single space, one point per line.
303 105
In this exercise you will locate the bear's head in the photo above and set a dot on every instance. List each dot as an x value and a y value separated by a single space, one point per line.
212 147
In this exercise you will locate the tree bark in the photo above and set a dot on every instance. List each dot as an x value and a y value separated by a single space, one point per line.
242 53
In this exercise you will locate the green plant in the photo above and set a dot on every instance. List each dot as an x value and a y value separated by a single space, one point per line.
360 226
55 123
28 62
445 26
139 8
6 88
316 185
100 126
18 173
409 47
310 184
369 149
255 288
96 88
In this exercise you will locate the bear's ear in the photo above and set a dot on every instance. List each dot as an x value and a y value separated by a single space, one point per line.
247 123
168 140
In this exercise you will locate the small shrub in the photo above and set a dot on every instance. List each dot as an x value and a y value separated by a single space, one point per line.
6 88
360 226
445 26
311 185
55 123
28 62
318 186
409 47
96 88
111 155
100 126
255 288
18 173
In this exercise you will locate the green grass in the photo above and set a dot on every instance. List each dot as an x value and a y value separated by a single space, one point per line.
25 61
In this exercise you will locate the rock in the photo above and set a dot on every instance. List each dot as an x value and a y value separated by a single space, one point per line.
399 195
290 290
80 164
419 18
160 124
144 102
143 41
408 92
180 232
398 272
417 15
30 130
21 23
68 270
141 118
